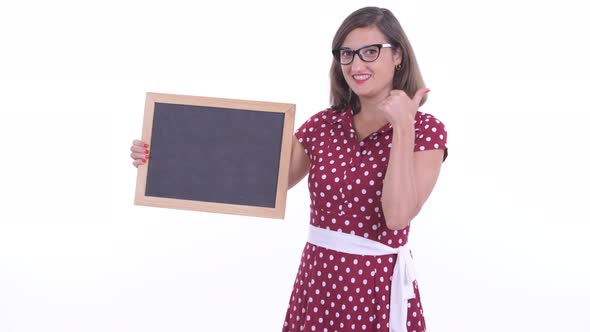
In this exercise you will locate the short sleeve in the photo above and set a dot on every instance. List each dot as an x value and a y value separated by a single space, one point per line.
431 134
307 133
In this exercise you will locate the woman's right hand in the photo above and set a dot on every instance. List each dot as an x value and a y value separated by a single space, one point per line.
139 152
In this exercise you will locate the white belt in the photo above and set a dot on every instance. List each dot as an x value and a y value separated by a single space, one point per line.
404 275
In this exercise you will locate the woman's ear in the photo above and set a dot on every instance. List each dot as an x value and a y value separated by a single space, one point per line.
397 56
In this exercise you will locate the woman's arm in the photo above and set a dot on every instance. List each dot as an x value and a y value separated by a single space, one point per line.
410 177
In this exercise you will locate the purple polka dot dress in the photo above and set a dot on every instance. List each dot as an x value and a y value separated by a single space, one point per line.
341 292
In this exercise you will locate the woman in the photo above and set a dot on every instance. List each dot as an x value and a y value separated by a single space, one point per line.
372 160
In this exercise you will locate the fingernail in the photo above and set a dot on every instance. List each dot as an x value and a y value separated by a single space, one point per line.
147 157
143 160
147 151
146 145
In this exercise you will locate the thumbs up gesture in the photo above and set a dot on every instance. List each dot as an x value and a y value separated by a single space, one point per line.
398 107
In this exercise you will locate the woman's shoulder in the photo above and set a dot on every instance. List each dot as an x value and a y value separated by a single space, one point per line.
328 115
424 122
323 118
423 118
431 133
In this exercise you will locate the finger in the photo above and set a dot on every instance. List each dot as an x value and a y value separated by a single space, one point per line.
419 95
397 92
139 155
139 149
138 162
140 143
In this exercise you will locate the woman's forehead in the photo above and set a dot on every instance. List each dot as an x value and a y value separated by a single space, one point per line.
360 37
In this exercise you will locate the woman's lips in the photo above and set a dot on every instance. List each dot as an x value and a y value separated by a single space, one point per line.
361 78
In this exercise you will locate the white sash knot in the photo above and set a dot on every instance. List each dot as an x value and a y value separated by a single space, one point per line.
404 273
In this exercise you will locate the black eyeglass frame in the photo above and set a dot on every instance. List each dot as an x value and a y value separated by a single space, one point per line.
337 55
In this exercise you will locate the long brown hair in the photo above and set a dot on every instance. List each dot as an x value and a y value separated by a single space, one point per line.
408 78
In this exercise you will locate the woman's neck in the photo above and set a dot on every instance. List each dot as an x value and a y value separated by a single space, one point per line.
369 119
370 113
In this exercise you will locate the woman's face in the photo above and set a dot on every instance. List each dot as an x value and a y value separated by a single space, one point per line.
370 80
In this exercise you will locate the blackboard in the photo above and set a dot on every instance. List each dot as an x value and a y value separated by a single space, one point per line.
216 155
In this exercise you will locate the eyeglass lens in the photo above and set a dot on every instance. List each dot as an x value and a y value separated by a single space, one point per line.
367 54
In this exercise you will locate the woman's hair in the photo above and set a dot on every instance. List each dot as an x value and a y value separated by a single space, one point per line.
407 78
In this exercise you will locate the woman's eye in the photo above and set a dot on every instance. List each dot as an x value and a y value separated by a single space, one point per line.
370 51
346 53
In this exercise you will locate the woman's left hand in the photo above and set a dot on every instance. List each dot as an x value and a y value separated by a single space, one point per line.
398 107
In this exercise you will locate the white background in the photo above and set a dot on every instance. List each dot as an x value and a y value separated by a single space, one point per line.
500 246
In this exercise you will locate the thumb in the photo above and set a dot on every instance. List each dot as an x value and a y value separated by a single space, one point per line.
419 95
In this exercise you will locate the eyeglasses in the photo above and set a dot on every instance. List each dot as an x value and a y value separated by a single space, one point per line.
367 53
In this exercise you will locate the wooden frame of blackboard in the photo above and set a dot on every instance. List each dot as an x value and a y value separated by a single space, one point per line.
195 102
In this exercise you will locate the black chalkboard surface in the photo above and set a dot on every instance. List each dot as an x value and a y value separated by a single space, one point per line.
216 155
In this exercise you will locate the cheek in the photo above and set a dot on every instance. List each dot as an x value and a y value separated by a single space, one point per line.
345 71
347 76
386 73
